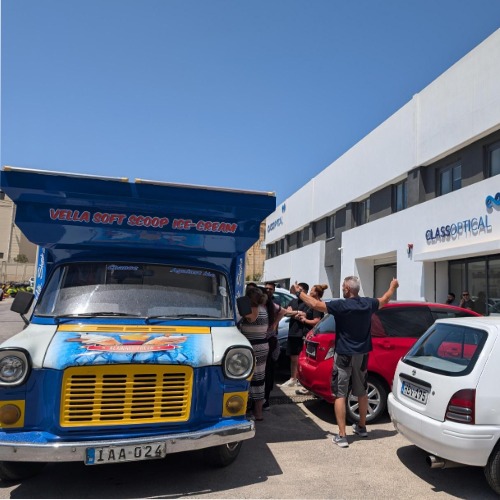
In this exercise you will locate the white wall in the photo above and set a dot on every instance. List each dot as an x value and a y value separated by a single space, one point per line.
303 265
363 245
462 105
456 109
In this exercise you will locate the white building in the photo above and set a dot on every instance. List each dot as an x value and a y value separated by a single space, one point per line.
414 199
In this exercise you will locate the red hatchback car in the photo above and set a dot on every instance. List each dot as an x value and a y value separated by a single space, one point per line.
395 328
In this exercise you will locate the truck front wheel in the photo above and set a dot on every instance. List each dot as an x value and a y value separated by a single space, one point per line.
223 455
14 471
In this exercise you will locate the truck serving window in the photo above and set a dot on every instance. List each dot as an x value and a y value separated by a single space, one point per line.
135 290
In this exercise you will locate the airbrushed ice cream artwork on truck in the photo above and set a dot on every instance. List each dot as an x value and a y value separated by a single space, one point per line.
130 349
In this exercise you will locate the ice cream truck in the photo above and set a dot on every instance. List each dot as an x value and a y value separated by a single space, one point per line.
130 349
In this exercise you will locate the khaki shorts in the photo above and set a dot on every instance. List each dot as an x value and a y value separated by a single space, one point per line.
349 369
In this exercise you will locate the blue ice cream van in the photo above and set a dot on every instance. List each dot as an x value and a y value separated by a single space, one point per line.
130 350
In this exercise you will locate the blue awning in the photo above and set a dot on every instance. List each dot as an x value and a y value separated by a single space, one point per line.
73 215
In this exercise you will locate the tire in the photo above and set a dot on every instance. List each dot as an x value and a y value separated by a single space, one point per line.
223 455
14 471
492 470
377 402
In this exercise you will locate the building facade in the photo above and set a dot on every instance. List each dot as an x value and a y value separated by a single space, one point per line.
13 243
417 198
255 257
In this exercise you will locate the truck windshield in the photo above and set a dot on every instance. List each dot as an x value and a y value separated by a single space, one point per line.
137 290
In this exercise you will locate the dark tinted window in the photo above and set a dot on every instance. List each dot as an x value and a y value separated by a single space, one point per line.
282 299
326 325
403 321
377 329
494 160
447 313
447 349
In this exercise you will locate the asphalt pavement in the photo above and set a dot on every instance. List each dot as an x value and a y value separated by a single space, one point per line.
291 456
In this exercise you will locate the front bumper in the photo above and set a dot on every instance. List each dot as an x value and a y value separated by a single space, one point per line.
461 443
316 377
37 447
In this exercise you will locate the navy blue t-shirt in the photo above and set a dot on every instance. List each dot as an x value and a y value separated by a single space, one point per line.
353 324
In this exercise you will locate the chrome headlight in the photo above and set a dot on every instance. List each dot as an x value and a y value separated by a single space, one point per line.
238 362
14 366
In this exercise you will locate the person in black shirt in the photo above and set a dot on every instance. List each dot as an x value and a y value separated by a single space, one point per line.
297 330
352 344
466 302
275 312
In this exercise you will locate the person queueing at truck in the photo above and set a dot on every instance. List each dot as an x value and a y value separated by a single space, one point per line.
297 331
255 326
352 345
275 313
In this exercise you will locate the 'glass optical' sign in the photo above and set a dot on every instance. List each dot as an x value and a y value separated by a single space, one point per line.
468 227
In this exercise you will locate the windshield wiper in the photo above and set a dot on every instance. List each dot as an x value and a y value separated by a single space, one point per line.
95 315
178 316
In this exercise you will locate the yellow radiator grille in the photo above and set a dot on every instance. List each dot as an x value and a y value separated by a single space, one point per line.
125 394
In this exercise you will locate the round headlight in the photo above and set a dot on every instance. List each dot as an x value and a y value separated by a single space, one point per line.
238 363
13 367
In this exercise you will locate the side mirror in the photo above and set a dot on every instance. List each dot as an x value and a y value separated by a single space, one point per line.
22 303
244 305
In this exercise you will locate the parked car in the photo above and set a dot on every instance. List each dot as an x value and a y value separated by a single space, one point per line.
283 298
445 396
395 328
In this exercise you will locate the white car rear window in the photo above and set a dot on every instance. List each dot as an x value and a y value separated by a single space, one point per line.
447 349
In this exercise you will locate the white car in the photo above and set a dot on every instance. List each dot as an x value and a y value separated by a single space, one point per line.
445 397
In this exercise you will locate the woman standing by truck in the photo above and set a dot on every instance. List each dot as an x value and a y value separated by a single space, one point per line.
254 326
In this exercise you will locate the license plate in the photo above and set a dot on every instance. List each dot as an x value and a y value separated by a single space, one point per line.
414 392
130 453
311 349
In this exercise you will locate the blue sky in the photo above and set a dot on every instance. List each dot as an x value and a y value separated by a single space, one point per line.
260 94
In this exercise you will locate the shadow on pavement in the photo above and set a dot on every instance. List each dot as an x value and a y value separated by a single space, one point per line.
460 482
179 475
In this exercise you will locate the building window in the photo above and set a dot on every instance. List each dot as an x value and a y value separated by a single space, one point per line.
2 195
450 178
330 226
363 212
480 277
400 196
270 251
494 159
300 239
280 247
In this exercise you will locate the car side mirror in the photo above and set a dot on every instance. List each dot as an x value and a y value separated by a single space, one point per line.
244 305
22 303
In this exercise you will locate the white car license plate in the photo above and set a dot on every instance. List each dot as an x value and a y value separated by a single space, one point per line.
414 392
130 453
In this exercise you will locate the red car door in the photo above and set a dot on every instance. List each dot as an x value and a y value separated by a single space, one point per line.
395 328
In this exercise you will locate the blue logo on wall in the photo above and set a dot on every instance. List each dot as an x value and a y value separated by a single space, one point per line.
490 201
278 222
